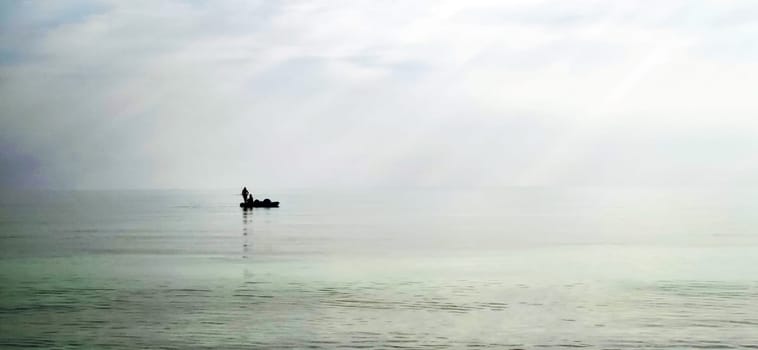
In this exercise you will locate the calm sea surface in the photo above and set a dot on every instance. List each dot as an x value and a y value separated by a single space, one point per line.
506 268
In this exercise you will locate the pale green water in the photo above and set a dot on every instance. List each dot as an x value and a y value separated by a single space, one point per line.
519 268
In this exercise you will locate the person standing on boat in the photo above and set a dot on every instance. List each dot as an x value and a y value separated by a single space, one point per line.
244 194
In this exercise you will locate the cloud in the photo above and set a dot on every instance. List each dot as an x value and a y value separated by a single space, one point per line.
110 94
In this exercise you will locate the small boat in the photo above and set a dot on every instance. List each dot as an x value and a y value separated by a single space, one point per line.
266 203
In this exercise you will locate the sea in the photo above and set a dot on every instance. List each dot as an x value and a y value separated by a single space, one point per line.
497 268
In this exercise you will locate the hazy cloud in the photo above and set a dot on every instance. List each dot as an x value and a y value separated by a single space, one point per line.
113 94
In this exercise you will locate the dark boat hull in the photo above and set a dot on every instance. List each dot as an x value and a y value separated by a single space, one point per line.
259 204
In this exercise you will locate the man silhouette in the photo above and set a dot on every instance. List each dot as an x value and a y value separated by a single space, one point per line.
244 194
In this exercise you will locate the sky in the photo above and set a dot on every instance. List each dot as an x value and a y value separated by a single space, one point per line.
298 94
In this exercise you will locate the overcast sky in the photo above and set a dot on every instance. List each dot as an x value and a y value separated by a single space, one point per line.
209 94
